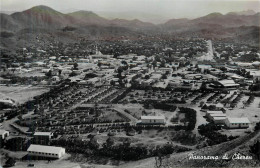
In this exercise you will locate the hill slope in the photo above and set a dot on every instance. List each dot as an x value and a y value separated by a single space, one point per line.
240 145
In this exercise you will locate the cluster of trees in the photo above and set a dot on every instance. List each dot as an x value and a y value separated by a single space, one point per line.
244 73
185 137
249 57
213 136
257 126
159 105
190 117
23 80
250 100
122 151
17 144
6 34
255 87
255 149
68 28
121 96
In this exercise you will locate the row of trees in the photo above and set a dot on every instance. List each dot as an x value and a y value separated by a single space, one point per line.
122 151
159 105
190 117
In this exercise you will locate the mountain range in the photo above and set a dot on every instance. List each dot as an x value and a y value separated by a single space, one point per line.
216 25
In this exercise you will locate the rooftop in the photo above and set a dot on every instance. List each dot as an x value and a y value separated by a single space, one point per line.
45 149
42 134
215 112
152 117
238 120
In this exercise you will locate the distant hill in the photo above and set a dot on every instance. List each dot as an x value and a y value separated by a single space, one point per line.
86 18
40 16
46 17
238 26
247 12
229 20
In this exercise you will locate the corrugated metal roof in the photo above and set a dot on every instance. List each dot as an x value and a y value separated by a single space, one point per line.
152 117
45 149
215 112
219 118
216 115
238 120
42 133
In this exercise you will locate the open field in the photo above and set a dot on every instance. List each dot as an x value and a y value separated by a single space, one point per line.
21 94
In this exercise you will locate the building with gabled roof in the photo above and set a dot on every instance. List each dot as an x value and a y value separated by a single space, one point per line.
46 151
152 120
228 83
242 122
42 138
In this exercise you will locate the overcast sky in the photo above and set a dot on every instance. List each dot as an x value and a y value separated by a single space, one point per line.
165 8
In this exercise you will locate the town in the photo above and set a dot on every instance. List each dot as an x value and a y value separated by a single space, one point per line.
138 97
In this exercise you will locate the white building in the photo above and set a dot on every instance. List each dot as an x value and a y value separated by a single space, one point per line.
153 119
46 151
4 134
219 120
209 113
43 134
218 117
211 116
228 84
237 122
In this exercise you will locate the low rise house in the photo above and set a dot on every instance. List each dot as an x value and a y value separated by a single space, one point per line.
230 84
152 120
212 116
42 138
209 113
219 120
46 151
237 122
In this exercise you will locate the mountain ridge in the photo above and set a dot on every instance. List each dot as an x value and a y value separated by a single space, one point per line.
87 23
83 13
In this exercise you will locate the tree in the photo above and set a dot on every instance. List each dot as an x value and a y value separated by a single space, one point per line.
93 144
60 72
124 62
255 149
134 58
110 142
75 66
112 83
99 64
154 63
147 77
72 74
10 162
49 74
164 76
163 63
